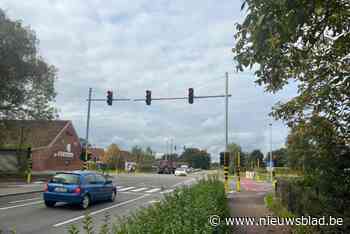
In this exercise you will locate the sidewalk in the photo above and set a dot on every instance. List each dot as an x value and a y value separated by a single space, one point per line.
250 203
11 189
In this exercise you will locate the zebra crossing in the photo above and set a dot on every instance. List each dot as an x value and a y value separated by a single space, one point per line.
133 189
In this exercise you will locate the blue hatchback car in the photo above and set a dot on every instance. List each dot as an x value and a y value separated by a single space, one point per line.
78 187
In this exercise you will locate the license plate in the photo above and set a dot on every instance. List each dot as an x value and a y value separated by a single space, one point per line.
61 190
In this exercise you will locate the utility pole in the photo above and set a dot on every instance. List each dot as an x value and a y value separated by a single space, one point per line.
271 152
226 154
88 125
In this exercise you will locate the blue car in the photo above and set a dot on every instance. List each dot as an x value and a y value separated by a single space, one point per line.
78 187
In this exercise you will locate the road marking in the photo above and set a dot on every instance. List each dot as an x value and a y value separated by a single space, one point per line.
186 182
167 191
138 190
26 204
29 199
153 201
119 187
153 190
126 189
99 211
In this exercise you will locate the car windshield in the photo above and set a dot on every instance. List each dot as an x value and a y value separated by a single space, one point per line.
65 179
181 169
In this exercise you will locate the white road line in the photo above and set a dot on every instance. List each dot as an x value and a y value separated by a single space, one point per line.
125 189
119 187
185 182
138 190
99 211
29 199
26 204
167 191
153 190
153 201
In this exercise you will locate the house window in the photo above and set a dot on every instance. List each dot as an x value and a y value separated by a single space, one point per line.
68 148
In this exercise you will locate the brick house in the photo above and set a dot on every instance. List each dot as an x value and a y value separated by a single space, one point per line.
97 154
55 144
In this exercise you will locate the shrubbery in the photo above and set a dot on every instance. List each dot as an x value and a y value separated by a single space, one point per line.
185 211
302 197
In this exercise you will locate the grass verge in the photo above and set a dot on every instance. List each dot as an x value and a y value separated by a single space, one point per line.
275 205
185 211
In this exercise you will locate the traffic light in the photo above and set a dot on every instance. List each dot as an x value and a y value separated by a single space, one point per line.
222 155
148 97
190 95
109 97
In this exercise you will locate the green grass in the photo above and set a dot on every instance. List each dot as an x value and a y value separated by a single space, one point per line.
185 211
275 205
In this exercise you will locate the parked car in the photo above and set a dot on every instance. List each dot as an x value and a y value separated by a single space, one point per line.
78 187
180 172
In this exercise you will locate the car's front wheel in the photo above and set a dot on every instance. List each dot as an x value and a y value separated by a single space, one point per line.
85 202
50 203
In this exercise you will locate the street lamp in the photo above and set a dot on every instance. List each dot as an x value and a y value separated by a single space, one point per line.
271 151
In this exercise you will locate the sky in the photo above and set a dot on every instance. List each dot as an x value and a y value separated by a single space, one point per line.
162 46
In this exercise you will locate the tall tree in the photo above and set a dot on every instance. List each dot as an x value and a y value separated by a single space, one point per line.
304 41
113 157
27 81
196 158
254 157
234 148
280 157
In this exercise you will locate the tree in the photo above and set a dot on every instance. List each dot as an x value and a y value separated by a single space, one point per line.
234 148
196 158
304 41
27 81
254 157
280 157
138 153
113 157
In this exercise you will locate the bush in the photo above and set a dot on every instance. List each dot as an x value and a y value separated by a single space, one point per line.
185 211
302 197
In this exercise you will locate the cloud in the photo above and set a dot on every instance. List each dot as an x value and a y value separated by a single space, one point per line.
164 46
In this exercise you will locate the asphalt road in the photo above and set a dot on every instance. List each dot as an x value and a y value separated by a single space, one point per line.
28 214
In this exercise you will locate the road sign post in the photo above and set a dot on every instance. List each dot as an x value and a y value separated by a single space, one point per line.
238 184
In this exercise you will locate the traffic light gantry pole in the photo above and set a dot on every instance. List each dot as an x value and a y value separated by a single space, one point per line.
148 99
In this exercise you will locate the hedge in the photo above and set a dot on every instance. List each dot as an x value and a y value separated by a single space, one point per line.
185 211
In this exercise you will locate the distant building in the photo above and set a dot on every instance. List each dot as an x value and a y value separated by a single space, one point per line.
55 144
97 154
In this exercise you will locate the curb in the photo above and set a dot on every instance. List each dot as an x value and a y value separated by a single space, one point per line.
23 193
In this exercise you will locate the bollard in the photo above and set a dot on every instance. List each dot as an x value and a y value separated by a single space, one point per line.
226 164
29 177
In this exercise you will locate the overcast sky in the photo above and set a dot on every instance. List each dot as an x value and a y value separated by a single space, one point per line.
164 46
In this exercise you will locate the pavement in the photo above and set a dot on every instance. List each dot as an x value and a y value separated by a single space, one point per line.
250 203
13 189
26 212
